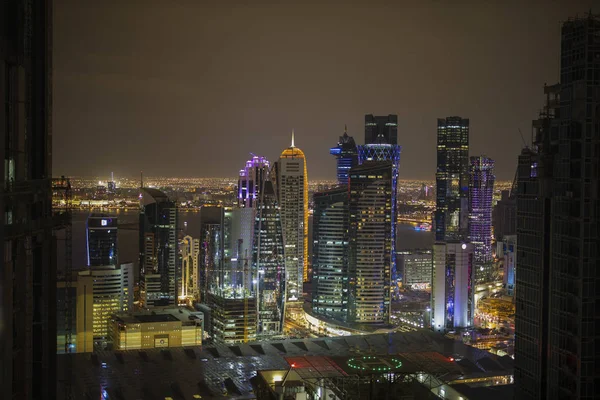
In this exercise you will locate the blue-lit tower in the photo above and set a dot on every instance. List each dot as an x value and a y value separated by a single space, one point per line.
347 156
381 144
101 240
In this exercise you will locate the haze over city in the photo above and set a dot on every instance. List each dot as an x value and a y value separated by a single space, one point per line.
190 88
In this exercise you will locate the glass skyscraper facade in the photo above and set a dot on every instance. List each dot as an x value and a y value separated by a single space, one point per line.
347 157
330 253
385 127
268 261
370 242
452 179
481 191
212 246
159 275
556 346
250 180
101 230
292 186
28 271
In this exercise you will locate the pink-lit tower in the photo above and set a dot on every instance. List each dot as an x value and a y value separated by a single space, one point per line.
481 190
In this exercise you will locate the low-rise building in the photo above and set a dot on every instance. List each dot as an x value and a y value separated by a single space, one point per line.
167 327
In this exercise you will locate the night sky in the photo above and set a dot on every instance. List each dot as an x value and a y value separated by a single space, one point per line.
190 88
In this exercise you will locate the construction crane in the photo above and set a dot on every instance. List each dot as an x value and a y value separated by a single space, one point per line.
62 216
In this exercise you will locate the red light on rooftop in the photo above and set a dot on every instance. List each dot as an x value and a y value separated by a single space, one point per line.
451 359
293 365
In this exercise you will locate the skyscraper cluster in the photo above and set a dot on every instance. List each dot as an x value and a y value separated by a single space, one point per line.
354 228
462 254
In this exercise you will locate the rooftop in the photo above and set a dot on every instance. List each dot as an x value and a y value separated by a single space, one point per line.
204 371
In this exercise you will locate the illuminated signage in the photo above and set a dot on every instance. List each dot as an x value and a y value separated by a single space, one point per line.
104 222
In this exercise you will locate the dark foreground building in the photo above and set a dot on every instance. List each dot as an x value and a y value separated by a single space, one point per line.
28 273
558 231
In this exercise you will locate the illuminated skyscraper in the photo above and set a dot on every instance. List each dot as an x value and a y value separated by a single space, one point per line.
452 179
330 253
190 267
212 246
381 144
292 182
481 191
101 240
268 262
159 275
452 292
381 126
251 179
347 157
370 242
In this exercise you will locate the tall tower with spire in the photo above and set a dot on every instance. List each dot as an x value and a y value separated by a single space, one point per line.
347 156
292 187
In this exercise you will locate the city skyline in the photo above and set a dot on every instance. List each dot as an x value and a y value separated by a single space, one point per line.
108 85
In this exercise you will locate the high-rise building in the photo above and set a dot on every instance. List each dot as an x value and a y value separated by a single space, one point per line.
509 260
251 179
347 157
557 230
481 192
330 253
416 268
370 242
159 275
381 144
28 272
101 292
292 186
504 215
452 179
190 267
101 240
381 126
452 293
268 261
212 247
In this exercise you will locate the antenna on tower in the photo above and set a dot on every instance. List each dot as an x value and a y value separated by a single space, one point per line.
112 176
141 179
292 138
345 128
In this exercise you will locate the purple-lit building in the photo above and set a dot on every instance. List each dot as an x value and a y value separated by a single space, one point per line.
347 157
251 180
481 190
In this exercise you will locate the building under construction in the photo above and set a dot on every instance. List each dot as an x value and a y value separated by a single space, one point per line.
233 318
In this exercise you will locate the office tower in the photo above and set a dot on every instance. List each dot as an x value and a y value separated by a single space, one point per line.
101 292
347 157
381 126
28 272
557 230
534 205
481 191
453 288
370 242
330 249
251 179
452 179
190 267
159 275
292 184
416 268
101 240
212 245
509 260
111 185
268 261
381 144
504 215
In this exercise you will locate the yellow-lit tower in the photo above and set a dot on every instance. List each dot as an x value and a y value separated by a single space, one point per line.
292 182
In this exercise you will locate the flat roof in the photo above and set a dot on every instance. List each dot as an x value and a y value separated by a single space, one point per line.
166 314
156 374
